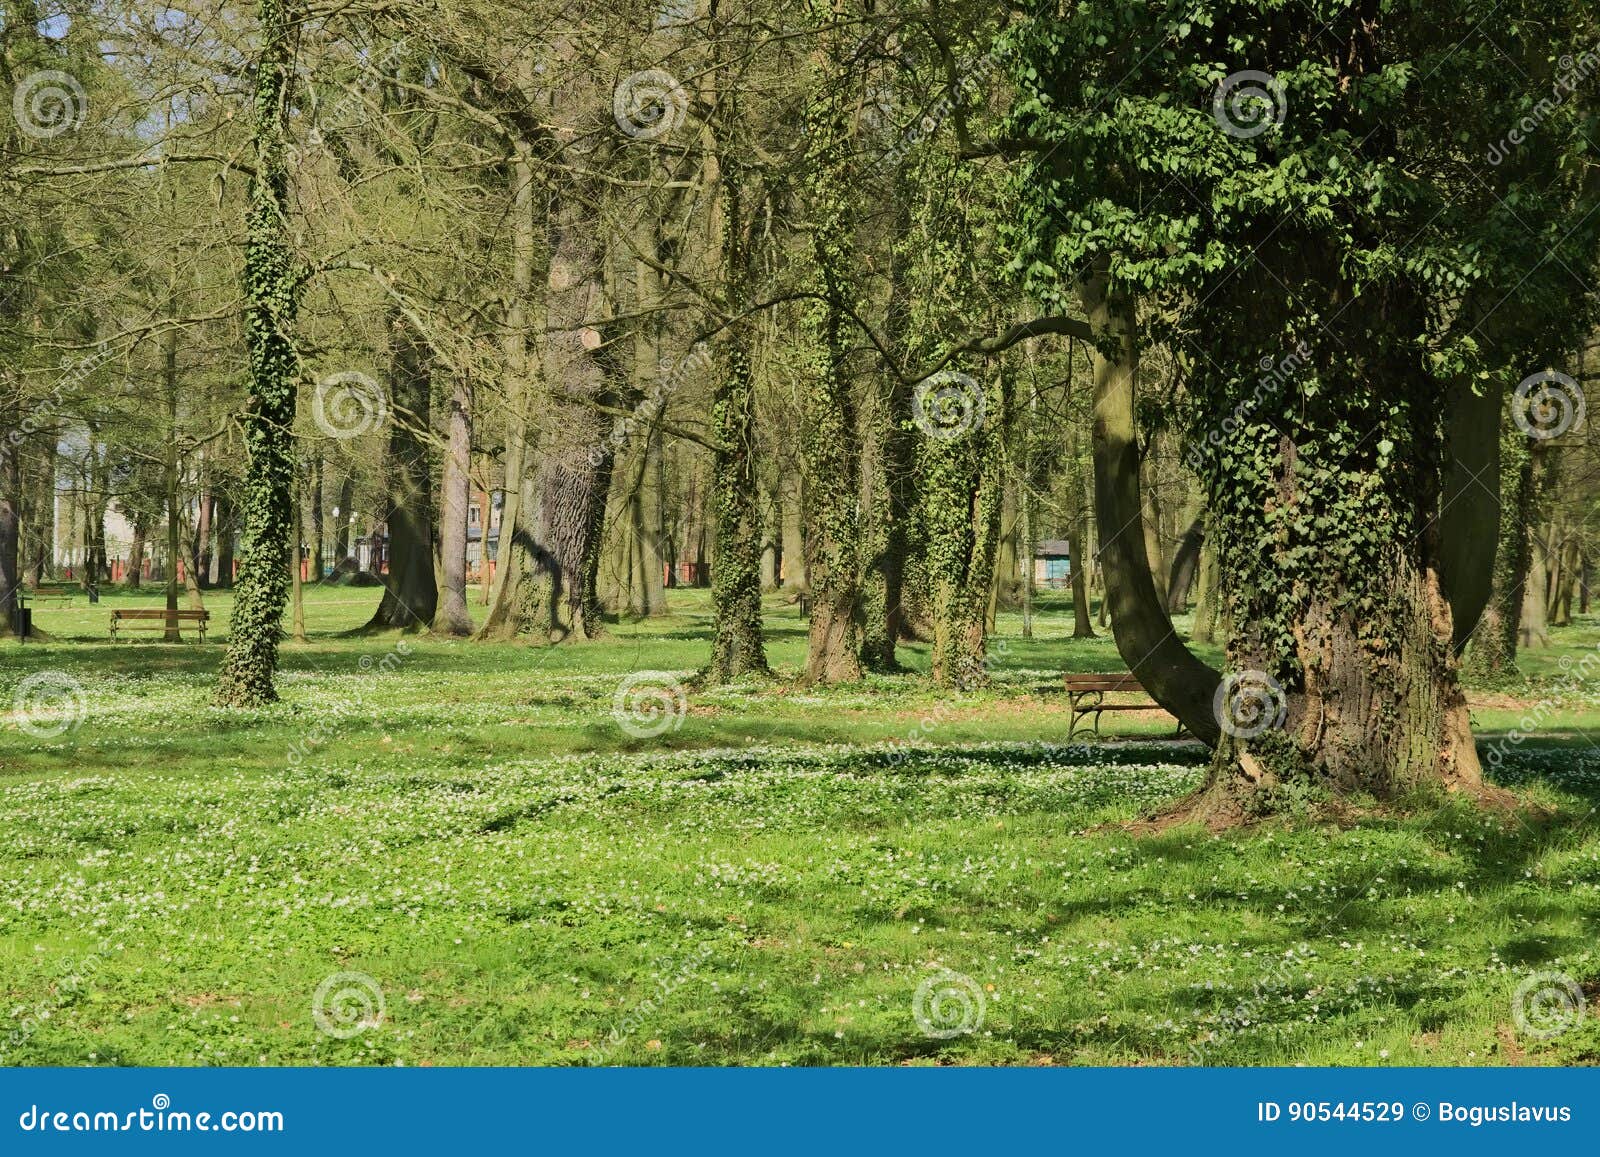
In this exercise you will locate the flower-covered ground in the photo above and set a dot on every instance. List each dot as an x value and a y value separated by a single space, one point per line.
443 853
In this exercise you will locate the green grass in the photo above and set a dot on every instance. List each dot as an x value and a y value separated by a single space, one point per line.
771 881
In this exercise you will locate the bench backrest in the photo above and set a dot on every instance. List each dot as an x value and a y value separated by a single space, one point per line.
1105 681
142 613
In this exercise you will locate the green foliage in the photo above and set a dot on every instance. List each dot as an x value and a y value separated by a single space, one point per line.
1326 264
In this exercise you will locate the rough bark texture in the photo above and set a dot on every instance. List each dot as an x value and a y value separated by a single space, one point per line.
1175 678
453 617
737 648
411 592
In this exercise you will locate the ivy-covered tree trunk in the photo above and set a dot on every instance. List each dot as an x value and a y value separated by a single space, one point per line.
251 663
1344 666
411 594
737 648
963 495
833 545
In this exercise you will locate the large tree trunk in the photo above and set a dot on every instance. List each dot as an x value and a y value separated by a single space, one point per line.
1344 682
737 647
411 596
251 663
318 503
455 487
509 609
1175 678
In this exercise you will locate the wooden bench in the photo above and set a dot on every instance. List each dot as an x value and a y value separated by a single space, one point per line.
53 593
157 619
1088 695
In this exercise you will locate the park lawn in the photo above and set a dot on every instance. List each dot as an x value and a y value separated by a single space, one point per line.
519 880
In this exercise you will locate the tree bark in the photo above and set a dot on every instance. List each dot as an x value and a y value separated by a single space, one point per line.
455 486
251 664
1175 678
737 647
411 595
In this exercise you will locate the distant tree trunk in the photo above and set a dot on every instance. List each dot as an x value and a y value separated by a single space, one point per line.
411 596
133 577
251 663
10 520
1185 566
297 617
1079 484
456 493
318 563
202 534
343 520
792 505
225 532
1208 603
1533 626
